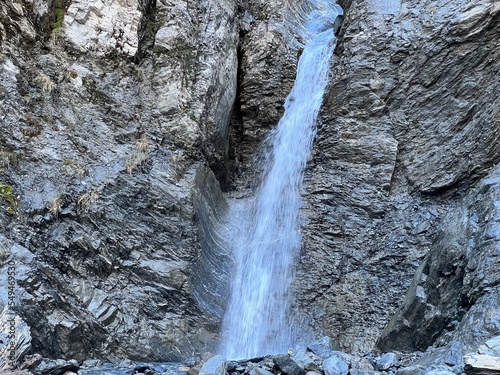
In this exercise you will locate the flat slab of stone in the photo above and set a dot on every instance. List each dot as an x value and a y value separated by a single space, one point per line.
481 364
491 347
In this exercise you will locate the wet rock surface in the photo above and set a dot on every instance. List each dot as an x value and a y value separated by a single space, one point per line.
404 135
122 121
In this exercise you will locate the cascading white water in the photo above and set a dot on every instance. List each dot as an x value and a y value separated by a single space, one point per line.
266 234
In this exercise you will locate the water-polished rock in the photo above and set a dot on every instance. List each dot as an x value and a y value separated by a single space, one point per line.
214 366
114 145
481 364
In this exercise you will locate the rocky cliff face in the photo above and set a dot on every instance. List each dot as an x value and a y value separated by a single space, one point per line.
410 124
120 120
108 110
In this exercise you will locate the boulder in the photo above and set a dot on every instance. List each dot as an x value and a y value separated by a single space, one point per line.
386 361
336 364
322 348
481 364
56 367
260 371
214 366
306 360
287 365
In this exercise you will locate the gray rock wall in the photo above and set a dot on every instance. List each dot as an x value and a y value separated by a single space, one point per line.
108 109
410 123
120 122
454 294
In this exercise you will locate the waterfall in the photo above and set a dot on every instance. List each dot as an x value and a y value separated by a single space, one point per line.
266 236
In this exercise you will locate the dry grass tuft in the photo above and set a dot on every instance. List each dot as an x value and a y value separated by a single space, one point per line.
74 168
87 200
45 83
55 206
7 159
139 155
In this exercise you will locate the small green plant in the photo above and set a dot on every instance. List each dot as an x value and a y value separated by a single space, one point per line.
56 26
10 201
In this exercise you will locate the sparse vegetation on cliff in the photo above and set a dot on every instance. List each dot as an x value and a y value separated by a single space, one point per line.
8 201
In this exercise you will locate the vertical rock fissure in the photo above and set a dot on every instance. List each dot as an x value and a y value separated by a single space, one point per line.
147 30
265 235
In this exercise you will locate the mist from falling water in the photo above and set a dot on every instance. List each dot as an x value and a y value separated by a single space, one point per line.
266 236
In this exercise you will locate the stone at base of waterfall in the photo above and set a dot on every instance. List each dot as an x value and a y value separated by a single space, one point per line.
198 364
440 370
260 371
425 370
491 347
386 361
287 365
358 371
308 361
361 364
322 348
411 370
481 364
214 366
336 364
56 367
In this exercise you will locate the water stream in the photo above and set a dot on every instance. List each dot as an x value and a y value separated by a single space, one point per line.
266 234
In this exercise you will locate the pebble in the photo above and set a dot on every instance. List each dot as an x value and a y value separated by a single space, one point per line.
214 366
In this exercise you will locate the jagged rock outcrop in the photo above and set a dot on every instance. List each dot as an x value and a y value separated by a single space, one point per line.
120 122
454 294
410 123
108 109
270 47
